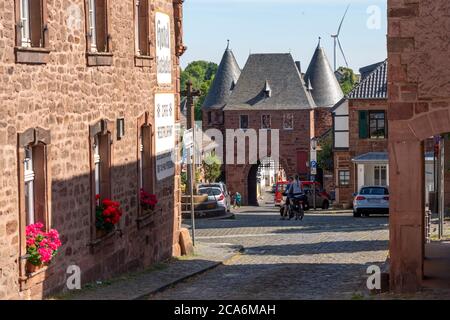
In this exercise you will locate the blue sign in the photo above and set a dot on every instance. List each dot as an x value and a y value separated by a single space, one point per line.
313 164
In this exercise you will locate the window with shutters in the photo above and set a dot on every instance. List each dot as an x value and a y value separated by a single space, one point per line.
31 31
101 140
97 35
142 28
145 161
34 181
102 165
33 150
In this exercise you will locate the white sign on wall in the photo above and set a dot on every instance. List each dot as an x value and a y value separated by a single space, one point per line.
165 135
163 52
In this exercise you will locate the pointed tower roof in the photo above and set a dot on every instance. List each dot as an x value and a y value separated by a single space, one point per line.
224 82
326 90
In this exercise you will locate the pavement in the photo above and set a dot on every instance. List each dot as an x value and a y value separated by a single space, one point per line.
136 286
325 256
255 255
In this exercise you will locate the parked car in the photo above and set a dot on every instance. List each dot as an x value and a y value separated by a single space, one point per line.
222 186
371 200
216 194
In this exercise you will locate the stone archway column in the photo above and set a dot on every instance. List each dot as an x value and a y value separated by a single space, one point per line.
407 206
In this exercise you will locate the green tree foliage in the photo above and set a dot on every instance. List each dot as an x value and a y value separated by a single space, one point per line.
325 152
348 79
201 73
211 167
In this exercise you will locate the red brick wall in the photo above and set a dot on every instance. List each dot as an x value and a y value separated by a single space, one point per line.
291 141
342 160
65 96
419 107
323 121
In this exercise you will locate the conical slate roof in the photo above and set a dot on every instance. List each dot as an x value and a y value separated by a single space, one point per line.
326 90
274 71
226 78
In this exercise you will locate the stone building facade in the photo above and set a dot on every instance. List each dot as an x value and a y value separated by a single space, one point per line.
78 89
271 93
360 136
419 104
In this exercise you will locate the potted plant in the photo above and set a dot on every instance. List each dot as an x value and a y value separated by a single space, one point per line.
107 216
42 246
148 201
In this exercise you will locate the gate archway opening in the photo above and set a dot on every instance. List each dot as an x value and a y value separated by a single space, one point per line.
260 180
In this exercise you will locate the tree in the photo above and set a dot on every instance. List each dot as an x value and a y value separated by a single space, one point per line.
325 152
201 73
348 79
211 168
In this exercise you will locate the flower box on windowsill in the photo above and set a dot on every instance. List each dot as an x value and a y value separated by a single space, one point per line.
32 269
99 59
145 218
32 55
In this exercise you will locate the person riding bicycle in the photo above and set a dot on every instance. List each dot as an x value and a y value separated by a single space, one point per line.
295 193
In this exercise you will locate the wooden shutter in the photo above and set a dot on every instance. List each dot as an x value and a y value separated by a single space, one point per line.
105 165
36 23
147 167
101 25
363 125
144 27
40 183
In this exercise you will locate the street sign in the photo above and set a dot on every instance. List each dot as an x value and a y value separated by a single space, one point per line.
313 164
188 138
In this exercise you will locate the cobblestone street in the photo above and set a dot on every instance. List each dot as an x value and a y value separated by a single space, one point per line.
325 256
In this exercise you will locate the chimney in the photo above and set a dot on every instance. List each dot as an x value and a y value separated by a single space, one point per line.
299 66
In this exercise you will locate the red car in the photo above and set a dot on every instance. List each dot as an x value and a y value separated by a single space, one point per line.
322 197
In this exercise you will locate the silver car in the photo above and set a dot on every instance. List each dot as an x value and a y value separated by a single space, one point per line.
371 200
216 194
223 187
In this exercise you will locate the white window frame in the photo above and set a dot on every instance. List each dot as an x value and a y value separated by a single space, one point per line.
136 27
29 185
97 161
25 23
380 169
92 24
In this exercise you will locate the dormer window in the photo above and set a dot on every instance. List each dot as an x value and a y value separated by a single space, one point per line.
267 90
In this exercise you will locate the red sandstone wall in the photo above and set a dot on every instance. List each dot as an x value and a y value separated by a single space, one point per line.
66 97
419 107
291 141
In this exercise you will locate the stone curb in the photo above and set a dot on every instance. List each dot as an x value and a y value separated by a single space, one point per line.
227 258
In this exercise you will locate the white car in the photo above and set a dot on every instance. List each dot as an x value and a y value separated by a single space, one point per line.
371 200
215 194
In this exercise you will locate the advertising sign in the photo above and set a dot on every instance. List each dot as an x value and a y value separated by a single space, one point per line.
165 135
163 52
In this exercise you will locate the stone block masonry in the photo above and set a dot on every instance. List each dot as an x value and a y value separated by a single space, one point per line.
65 96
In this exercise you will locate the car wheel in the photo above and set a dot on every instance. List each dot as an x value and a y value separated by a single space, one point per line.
356 214
325 205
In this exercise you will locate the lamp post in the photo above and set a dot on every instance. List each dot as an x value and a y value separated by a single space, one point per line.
313 168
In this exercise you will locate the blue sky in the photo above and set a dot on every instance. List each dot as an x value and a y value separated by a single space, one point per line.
260 26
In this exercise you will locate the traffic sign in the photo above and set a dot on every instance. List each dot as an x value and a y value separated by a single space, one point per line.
313 164
188 138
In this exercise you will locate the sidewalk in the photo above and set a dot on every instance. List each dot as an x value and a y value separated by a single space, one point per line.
159 277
